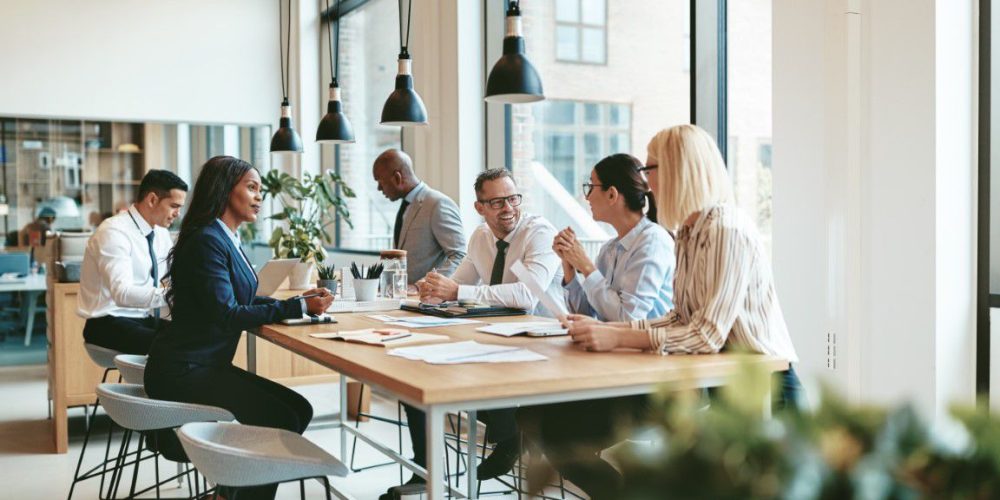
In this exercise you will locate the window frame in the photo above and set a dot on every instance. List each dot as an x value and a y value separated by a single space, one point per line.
579 26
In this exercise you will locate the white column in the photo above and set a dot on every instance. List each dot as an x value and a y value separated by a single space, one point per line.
447 48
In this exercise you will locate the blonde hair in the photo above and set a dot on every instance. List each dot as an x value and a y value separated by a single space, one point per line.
691 175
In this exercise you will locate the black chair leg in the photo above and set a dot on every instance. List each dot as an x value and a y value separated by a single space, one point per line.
135 470
302 489
326 488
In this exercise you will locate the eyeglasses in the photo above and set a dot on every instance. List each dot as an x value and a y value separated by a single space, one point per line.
588 188
513 200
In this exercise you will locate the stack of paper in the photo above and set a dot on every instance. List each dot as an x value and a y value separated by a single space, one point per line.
429 321
467 352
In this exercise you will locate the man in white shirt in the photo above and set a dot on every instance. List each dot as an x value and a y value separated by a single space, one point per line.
507 236
120 291
484 276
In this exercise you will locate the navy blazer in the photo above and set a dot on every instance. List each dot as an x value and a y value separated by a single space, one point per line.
215 300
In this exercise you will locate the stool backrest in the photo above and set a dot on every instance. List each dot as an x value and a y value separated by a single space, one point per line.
102 356
129 407
132 367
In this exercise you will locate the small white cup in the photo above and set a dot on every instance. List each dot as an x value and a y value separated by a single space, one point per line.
365 289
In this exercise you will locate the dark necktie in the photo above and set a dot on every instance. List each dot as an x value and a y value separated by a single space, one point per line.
154 272
496 276
399 223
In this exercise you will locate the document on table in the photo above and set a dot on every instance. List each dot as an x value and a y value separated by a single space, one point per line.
383 317
466 352
556 307
429 321
517 328
372 336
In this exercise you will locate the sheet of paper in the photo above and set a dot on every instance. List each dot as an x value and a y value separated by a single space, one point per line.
383 317
538 290
428 321
511 329
466 352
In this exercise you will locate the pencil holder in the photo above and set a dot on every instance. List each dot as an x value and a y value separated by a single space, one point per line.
365 289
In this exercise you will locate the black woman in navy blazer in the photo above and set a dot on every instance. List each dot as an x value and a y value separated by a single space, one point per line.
213 299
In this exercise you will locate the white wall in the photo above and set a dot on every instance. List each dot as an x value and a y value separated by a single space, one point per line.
874 194
179 61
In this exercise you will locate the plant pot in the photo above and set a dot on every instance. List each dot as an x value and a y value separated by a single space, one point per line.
365 290
328 284
301 276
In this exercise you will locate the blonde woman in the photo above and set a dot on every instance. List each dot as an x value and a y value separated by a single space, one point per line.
724 297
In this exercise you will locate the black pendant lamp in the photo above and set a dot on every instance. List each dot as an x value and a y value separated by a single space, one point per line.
286 139
513 79
334 128
404 106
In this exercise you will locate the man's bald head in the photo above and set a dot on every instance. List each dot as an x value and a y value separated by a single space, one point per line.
393 172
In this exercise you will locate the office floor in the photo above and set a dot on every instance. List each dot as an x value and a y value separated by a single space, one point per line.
28 470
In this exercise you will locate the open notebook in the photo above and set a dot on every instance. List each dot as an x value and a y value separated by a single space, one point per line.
381 336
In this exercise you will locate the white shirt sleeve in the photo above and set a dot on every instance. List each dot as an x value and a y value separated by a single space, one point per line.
540 261
114 260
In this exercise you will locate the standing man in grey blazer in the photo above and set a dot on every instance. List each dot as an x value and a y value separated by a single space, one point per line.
428 225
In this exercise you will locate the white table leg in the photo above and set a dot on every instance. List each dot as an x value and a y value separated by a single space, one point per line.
251 352
32 298
435 454
470 467
343 418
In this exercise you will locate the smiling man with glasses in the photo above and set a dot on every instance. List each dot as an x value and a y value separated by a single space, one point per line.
484 276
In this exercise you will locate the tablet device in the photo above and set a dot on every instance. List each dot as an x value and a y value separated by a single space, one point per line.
273 274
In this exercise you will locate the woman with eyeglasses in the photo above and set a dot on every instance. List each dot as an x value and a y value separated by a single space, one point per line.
724 297
633 276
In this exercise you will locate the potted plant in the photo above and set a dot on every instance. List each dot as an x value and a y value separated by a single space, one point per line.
327 277
302 228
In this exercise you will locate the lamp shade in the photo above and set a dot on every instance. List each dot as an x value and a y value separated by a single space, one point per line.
513 79
286 139
404 106
334 128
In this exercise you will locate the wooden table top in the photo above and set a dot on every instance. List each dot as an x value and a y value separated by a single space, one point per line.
568 368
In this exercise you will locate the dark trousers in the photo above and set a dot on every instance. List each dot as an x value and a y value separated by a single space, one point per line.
573 434
253 400
501 425
125 335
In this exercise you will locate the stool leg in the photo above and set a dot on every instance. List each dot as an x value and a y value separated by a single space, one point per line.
135 470
326 487
119 470
83 450
302 489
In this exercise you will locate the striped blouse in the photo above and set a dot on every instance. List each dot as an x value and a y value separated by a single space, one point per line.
723 292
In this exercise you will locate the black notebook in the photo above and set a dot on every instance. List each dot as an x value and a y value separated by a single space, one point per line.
458 311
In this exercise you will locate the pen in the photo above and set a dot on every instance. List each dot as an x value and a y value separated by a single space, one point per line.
307 296
395 337
481 354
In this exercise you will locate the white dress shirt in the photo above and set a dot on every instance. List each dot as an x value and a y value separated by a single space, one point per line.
115 276
531 243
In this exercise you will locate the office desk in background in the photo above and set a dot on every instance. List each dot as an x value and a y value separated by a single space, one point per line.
30 288
569 374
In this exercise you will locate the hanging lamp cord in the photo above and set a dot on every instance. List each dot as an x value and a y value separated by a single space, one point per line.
404 44
284 56
334 36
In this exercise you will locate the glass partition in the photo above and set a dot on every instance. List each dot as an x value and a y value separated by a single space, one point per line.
85 171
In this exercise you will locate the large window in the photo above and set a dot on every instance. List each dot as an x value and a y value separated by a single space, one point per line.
591 110
581 31
749 109
368 50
